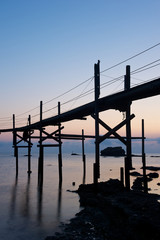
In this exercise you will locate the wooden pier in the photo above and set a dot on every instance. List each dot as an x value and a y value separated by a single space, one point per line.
119 101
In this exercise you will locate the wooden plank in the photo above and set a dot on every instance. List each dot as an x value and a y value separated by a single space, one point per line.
76 136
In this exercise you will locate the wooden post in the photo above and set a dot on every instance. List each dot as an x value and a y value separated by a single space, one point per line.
60 147
14 136
83 158
144 161
97 93
122 175
40 163
128 160
29 147
15 144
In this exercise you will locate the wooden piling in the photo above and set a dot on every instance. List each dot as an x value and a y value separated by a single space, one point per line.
122 175
97 94
83 158
40 162
29 147
128 159
60 146
15 144
144 160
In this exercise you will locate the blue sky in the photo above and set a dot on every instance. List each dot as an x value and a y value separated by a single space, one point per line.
48 47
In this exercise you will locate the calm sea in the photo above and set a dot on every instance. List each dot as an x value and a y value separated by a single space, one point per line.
27 212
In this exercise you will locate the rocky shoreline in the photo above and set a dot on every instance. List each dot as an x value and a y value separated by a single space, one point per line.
112 213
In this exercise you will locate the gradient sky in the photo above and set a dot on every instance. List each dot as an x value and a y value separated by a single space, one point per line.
48 47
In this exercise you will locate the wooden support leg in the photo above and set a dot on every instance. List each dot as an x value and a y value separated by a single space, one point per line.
144 161
60 166
29 160
127 174
60 149
128 159
83 158
29 149
16 153
15 145
40 170
40 163
97 93
122 175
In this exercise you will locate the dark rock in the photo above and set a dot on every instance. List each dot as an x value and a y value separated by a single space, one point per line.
152 168
117 214
136 174
153 175
138 183
113 151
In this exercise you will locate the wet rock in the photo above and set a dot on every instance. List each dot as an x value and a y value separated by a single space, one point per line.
152 168
115 214
136 174
153 175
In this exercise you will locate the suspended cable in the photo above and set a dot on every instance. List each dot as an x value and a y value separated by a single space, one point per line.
134 56
146 81
56 97
103 85
50 109
92 90
83 91
142 70
27 111
69 90
5 118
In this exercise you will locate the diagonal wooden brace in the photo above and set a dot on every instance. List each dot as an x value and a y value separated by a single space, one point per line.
22 139
51 134
113 131
109 129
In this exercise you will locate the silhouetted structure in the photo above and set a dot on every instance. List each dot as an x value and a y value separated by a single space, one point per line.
119 101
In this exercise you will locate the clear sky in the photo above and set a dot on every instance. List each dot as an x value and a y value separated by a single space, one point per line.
48 47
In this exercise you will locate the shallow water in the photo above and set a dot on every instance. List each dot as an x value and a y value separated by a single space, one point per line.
28 212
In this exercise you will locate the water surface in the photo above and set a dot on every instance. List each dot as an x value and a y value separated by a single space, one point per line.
30 212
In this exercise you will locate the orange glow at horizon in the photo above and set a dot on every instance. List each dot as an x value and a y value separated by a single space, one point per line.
143 109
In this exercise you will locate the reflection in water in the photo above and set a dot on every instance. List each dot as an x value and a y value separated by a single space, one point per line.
39 201
25 210
23 196
13 197
36 208
84 173
59 200
31 212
